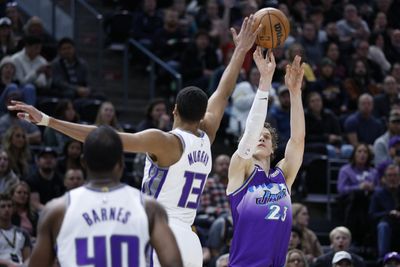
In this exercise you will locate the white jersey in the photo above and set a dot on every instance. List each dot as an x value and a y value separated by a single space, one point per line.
107 229
178 187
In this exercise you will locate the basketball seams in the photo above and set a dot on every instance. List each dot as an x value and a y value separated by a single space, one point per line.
270 29
278 18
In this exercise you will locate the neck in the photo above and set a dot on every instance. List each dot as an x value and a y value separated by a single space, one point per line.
5 224
189 127
19 207
6 80
98 181
264 162
46 175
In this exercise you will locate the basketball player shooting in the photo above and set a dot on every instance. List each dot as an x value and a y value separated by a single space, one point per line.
178 162
104 223
259 193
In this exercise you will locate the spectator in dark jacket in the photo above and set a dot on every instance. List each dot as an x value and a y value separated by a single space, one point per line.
70 72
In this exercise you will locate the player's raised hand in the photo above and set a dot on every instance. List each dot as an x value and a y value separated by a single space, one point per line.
247 35
265 65
294 75
26 112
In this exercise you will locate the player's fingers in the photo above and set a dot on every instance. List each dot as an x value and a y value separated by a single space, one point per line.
15 102
234 33
257 31
244 24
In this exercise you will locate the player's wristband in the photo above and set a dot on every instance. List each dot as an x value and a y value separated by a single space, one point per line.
44 121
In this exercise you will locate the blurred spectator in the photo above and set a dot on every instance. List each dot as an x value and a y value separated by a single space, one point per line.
356 183
186 20
376 52
391 259
16 145
298 49
9 84
146 22
393 154
384 210
70 72
380 22
207 14
279 117
361 126
213 200
220 236
222 261
312 46
392 50
8 179
7 41
357 83
295 238
342 259
384 102
15 243
32 131
382 144
45 182
24 215
395 71
352 27
17 22
73 178
323 129
295 258
362 53
156 116
170 41
63 111
70 157
34 27
340 238
309 241
106 115
317 18
199 61
241 101
31 67
332 52
330 87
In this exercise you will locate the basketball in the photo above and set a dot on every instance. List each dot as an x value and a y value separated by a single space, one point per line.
275 27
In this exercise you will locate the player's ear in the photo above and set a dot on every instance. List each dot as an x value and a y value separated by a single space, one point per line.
175 111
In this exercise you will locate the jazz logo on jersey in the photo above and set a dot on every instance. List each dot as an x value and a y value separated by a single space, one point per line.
271 192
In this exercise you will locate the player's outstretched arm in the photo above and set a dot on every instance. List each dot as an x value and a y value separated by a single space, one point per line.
219 99
293 159
152 141
161 237
242 163
32 114
49 223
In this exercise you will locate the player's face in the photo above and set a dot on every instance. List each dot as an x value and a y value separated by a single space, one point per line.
264 146
340 242
295 259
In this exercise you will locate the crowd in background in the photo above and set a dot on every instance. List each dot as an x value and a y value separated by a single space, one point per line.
351 93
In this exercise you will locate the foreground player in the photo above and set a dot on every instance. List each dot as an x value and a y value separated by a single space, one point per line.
179 161
104 223
259 194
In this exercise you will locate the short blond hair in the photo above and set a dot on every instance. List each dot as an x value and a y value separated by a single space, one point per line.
339 230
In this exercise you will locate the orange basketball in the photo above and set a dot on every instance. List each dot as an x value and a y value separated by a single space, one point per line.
275 27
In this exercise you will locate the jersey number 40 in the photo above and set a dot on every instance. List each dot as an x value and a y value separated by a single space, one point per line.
119 257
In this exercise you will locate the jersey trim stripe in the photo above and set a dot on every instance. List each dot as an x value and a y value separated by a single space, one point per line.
180 138
162 180
245 183
101 190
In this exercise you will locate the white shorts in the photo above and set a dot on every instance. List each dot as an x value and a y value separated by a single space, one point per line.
189 246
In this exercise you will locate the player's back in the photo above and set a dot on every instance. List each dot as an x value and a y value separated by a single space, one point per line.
179 186
103 228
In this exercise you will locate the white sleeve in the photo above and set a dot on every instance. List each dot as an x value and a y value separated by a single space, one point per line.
254 125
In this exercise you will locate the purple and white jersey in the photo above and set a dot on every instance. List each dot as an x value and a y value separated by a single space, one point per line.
178 187
262 220
103 229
